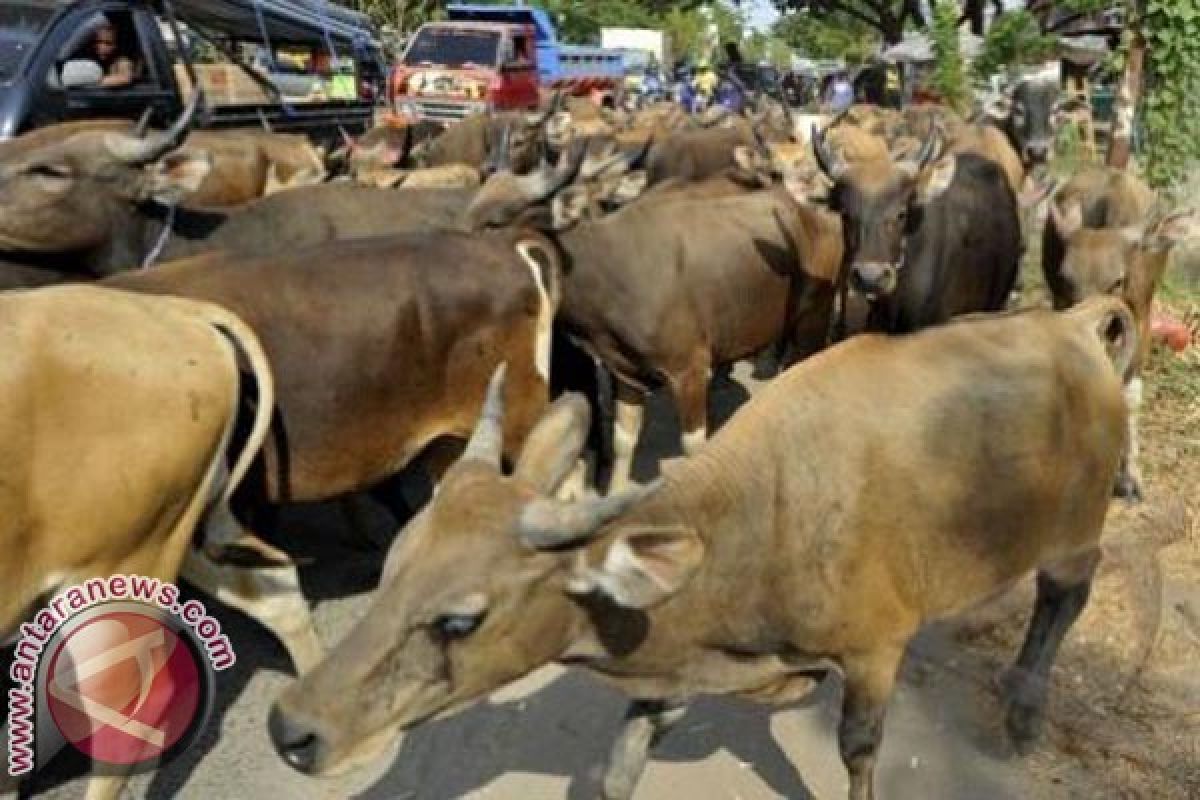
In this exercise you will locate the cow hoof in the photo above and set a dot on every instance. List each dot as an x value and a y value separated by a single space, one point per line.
1024 725
1128 488
1025 701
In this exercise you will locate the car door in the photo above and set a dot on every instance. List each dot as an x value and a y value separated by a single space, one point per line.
153 86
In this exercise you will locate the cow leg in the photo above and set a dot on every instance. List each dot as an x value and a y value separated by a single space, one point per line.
105 787
691 398
630 411
1129 478
646 722
869 680
1062 592
270 595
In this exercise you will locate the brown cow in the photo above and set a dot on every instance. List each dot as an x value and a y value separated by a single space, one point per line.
673 286
490 298
1101 237
762 562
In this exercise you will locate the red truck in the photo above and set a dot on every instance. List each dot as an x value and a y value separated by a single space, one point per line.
495 58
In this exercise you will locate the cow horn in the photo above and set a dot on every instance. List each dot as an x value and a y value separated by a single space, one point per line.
143 123
547 523
543 182
136 150
487 442
829 163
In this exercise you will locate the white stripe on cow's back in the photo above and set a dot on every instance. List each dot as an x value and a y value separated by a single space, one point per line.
545 321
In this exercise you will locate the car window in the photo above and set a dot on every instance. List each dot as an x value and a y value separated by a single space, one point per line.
20 26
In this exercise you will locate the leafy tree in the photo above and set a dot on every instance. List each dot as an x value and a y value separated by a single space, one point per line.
825 36
888 17
949 77
1013 39
1171 30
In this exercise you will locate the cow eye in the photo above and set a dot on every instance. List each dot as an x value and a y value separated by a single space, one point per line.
456 626
1118 285
57 171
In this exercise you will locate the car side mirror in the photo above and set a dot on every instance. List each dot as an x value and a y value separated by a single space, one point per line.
80 72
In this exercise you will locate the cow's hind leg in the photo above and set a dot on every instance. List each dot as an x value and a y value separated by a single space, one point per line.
1129 479
646 722
631 410
269 595
869 680
1062 592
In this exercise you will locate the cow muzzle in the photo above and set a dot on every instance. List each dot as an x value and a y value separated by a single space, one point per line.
874 277
300 745
1037 152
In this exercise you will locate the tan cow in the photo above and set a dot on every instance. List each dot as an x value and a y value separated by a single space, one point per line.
118 411
131 400
818 530
1102 237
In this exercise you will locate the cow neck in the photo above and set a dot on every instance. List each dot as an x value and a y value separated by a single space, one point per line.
182 231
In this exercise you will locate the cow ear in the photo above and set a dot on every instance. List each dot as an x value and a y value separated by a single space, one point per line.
176 175
936 179
642 566
999 108
569 206
554 444
743 156
630 187
1068 222
1170 230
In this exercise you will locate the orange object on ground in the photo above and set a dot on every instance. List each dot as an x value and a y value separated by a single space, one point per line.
1174 332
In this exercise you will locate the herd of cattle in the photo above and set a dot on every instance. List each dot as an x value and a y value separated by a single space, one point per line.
248 321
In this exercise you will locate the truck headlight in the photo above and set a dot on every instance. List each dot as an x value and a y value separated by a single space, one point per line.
407 108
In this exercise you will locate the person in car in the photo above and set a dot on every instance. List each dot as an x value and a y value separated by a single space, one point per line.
117 66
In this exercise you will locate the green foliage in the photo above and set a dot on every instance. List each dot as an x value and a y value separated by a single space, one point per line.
1172 101
1013 39
949 75
580 23
825 36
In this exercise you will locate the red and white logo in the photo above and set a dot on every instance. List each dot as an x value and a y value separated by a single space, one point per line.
124 686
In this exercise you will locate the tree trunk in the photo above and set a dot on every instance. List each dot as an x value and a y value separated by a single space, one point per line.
1120 144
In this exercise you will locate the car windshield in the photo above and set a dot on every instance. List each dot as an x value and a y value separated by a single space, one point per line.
20 26
453 47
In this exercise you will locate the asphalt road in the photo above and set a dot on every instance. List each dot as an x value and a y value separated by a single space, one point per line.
548 736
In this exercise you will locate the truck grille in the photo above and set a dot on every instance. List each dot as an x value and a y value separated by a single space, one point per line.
444 110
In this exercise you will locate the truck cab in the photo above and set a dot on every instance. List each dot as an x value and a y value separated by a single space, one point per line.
454 68
497 58
50 73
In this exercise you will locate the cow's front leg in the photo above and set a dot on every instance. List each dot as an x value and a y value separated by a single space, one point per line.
869 679
1062 592
646 722
690 388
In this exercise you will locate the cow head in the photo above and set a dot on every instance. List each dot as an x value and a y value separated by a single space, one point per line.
74 195
490 581
1029 113
1126 262
881 202
598 166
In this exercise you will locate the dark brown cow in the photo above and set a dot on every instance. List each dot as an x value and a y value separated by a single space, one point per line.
926 237
814 533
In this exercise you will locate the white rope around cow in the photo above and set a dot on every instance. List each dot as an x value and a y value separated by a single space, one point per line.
163 236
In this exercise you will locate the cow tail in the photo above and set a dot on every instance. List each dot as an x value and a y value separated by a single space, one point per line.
1114 324
248 348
